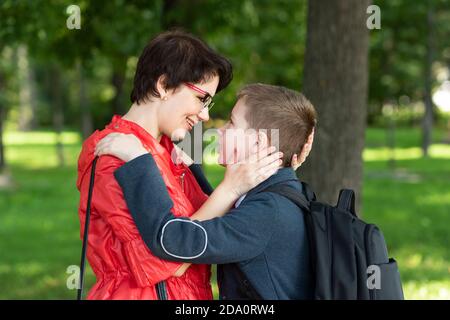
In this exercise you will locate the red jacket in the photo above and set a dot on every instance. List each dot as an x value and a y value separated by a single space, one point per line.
124 266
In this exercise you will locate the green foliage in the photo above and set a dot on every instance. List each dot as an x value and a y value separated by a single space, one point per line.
398 50
113 34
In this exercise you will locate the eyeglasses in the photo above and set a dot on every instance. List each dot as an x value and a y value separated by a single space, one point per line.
206 99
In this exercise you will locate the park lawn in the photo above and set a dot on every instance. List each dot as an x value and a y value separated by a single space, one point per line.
39 229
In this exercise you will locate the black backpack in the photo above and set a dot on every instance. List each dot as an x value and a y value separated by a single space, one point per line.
349 257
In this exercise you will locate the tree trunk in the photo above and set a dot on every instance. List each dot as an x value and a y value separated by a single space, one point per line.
427 123
335 81
6 180
86 114
27 91
58 115
2 119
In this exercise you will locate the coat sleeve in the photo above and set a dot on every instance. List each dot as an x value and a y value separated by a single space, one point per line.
108 201
241 234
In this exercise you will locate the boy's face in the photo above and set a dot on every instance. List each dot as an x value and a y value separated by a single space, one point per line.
236 139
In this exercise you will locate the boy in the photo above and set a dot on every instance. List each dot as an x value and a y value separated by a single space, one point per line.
260 246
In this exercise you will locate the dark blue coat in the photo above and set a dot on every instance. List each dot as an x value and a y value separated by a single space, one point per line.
259 246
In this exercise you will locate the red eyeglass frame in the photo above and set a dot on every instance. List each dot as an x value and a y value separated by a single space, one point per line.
205 98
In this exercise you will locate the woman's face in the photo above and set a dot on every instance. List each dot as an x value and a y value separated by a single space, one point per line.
236 139
183 109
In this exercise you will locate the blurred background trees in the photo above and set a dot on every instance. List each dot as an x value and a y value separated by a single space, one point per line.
76 79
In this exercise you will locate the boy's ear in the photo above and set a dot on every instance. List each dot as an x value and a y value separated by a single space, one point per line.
310 139
262 141
306 149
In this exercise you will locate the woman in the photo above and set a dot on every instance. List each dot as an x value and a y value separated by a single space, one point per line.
177 75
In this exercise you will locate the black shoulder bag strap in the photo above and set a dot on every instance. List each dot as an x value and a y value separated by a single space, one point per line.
160 287
304 202
295 196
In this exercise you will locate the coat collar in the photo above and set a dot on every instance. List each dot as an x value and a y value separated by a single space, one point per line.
283 175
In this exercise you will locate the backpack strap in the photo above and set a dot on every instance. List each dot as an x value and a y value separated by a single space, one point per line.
160 287
310 195
292 194
346 201
305 204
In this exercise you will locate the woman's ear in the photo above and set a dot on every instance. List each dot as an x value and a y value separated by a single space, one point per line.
161 87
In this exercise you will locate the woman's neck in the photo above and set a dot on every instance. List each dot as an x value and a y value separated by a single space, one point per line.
144 115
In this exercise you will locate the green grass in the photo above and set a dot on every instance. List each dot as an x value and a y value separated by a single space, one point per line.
39 229
410 200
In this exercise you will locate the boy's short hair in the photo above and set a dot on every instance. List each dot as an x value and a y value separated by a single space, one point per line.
275 107
181 57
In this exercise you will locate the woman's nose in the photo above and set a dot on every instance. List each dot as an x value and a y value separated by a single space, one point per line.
204 114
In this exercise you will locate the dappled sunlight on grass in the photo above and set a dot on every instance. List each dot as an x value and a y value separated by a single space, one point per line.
441 199
40 138
436 290
37 150
41 156
438 151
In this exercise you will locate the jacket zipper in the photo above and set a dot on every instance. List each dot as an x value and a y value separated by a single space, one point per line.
182 180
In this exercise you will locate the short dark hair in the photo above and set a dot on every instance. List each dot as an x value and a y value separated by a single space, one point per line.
275 107
181 57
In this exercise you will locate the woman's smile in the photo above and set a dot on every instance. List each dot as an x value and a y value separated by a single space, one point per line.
190 123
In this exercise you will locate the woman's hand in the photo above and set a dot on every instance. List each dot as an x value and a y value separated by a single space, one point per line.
296 161
244 176
123 146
